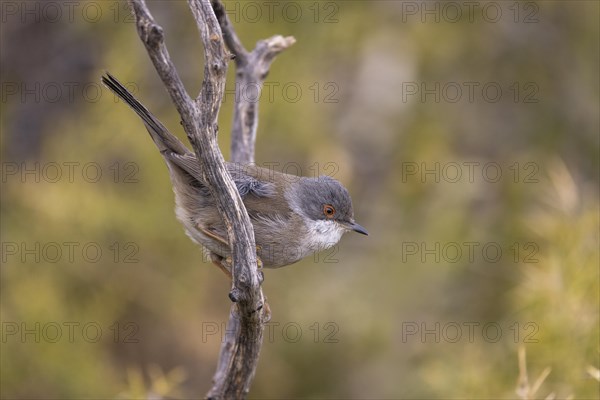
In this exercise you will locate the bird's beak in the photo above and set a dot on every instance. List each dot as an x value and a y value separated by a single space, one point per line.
353 226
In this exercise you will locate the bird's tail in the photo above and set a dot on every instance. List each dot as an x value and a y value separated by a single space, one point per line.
165 140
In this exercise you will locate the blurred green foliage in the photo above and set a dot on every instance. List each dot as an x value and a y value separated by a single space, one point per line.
371 319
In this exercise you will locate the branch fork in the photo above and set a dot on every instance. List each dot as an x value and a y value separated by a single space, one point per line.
241 346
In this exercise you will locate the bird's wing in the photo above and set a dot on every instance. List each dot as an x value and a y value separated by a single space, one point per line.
246 183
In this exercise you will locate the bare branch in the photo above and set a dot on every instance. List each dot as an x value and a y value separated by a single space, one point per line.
252 69
241 348
199 118
153 38
231 39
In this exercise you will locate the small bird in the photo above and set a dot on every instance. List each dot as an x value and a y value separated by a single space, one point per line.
292 216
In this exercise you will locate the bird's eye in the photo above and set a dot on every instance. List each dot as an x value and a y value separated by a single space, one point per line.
328 211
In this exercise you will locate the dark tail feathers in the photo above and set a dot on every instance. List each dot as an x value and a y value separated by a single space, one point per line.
165 140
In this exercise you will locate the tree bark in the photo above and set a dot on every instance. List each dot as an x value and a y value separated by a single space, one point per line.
241 346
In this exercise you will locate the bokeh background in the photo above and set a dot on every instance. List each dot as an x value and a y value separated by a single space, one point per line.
103 295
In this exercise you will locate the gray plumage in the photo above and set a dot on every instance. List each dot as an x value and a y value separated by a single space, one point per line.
288 213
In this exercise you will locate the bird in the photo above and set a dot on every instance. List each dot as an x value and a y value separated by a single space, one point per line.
292 216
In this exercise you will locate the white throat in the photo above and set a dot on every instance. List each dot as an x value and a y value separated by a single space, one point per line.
323 234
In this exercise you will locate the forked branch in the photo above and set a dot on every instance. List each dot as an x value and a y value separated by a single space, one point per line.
252 69
241 347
